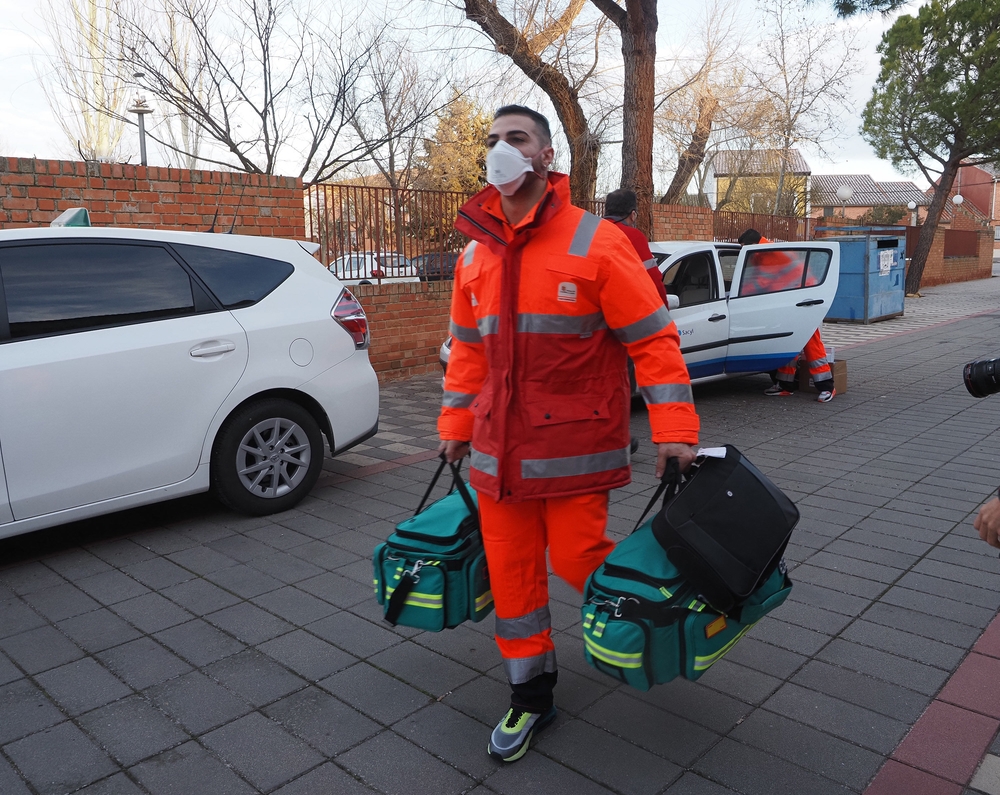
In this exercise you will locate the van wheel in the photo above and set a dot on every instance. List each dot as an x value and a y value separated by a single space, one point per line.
267 457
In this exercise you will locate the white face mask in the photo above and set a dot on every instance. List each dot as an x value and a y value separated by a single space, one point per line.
506 168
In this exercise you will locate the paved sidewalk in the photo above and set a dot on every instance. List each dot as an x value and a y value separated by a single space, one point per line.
184 649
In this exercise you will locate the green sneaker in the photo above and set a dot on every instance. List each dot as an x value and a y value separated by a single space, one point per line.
510 739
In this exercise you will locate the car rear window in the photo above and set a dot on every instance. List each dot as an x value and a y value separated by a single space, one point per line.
236 279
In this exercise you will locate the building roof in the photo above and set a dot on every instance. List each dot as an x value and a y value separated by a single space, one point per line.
758 162
866 191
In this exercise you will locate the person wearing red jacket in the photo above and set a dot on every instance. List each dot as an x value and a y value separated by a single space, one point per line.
781 273
548 300
621 207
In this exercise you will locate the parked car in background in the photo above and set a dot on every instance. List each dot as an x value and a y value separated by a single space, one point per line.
374 267
436 266
728 326
140 365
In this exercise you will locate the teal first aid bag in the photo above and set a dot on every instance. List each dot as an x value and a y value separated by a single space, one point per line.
431 572
644 623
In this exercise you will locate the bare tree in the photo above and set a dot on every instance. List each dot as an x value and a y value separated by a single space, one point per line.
82 77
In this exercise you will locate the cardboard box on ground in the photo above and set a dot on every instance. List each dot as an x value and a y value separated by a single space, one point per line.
839 369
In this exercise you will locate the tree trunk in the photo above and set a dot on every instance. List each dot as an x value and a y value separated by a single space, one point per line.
694 155
584 147
919 259
639 55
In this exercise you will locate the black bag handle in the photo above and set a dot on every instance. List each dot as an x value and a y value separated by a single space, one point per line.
669 483
457 483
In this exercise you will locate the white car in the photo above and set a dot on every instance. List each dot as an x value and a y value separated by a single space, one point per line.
374 266
139 365
727 326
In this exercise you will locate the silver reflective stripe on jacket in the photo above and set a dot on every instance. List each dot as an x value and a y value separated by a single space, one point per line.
650 264
486 464
488 324
524 669
457 400
560 324
584 235
647 327
463 333
666 393
533 623
574 465
468 254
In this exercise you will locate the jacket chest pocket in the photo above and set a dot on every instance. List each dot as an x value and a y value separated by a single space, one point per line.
559 409
569 282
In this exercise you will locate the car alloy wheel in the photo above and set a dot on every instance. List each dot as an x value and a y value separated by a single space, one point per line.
273 458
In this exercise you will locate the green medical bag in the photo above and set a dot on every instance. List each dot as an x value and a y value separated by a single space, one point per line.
431 572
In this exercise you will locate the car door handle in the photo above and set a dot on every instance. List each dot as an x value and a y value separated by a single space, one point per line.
716 318
813 302
213 349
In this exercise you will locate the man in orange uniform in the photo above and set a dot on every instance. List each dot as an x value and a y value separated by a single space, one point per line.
546 300
621 207
784 274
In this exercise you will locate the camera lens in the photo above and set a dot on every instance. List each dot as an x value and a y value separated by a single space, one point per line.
982 377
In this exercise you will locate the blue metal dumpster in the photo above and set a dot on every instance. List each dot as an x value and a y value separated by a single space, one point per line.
872 273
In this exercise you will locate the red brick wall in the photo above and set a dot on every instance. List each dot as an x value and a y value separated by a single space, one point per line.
676 222
939 270
408 323
33 192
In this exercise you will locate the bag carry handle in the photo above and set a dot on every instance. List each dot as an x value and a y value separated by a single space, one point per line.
457 483
670 483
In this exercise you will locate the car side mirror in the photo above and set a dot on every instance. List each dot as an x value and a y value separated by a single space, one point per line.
673 301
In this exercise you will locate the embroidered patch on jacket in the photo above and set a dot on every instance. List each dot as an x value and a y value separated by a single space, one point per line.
567 292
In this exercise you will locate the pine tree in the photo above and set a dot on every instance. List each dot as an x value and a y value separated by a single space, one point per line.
455 157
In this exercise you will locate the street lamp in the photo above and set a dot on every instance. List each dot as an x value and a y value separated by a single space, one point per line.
912 207
140 108
844 192
957 199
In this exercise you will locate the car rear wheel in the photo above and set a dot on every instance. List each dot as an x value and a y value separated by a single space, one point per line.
267 457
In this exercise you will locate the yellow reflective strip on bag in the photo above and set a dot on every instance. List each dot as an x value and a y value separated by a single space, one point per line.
701 663
434 601
484 600
599 628
665 592
588 620
611 657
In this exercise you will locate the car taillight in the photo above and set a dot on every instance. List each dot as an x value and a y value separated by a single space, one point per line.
378 273
351 316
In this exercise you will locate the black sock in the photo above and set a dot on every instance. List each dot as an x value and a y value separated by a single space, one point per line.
535 695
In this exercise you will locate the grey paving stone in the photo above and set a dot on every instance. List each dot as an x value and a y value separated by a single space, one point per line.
249 623
827 578
338 590
764 657
295 605
325 555
349 632
855 724
696 702
26 709
143 662
81 686
537 773
60 601
670 736
158 573
374 693
240 743
307 655
189 768
574 693
98 630
254 677
473 649
744 684
617 764
165 541
132 729
200 597
754 772
809 748
120 552
17 617
826 622
201 560
959 574
452 736
285 567
76 563
935 605
240 547
904 644
827 599
198 642
152 612
422 668
323 721
28 577
59 760
789 636
110 587
10 782
918 623
864 691
8 671
692 784
244 581
197 703
884 541
40 649
277 536
387 762
118 784
484 699
325 778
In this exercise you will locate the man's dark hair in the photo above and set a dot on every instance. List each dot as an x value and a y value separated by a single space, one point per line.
620 204
541 123
749 238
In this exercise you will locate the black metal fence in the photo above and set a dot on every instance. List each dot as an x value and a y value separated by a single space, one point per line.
728 226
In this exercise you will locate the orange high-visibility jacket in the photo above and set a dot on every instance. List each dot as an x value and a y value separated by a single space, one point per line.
541 317
774 272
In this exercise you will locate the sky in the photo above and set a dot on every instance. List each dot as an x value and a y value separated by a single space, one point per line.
28 128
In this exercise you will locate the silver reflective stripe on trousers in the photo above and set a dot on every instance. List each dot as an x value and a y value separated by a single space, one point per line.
524 626
574 465
486 464
457 400
488 324
646 327
463 333
818 363
560 324
524 669
468 254
584 235
657 394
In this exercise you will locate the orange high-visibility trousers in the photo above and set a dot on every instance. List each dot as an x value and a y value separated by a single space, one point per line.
515 536
815 355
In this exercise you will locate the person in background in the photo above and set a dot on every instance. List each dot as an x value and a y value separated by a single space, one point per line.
781 273
621 207
547 303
